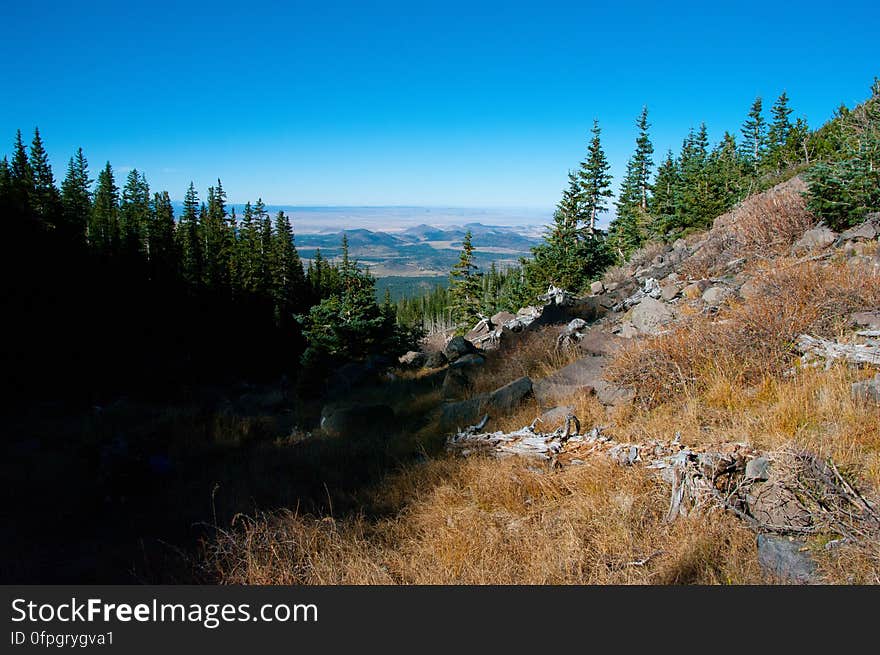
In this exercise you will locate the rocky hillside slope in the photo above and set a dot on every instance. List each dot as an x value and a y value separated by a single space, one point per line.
707 413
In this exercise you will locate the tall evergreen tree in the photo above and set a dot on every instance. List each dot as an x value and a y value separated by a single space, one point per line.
46 199
288 278
22 179
594 179
662 203
161 244
754 131
465 288
189 239
777 135
76 197
630 228
135 215
103 231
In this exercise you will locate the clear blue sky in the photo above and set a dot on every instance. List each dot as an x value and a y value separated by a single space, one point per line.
444 103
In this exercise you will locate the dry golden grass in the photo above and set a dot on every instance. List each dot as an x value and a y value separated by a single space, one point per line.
764 225
489 522
752 339
770 222
484 521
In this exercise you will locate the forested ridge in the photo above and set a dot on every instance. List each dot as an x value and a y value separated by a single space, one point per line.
662 202
109 291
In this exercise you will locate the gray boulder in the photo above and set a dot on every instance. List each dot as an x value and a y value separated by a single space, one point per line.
456 384
583 376
868 230
787 559
467 361
650 315
510 395
435 359
461 414
866 320
715 296
758 469
457 347
867 390
819 238
597 288
695 289
413 359
669 290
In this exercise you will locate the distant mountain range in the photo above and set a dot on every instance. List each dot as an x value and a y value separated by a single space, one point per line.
423 250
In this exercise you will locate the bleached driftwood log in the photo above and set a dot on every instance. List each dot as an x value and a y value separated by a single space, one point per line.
700 480
854 353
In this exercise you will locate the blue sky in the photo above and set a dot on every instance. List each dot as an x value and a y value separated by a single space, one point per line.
454 104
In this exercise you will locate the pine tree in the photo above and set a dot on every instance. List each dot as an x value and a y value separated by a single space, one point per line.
46 199
76 197
777 135
103 230
662 203
135 215
725 174
22 179
218 241
288 278
754 132
629 230
692 195
465 288
161 245
189 240
594 179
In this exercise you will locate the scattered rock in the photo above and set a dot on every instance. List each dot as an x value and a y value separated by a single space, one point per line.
510 395
462 413
597 288
819 238
502 317
555 417
435 360
787 559
750 289
758 469
695 289
583 376
354 420
467 361
773 503
456 384
669 290
650 315
868 320
413 359
715 296
457 347
868 230
867 390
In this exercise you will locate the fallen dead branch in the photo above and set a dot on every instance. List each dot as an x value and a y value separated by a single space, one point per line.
855 353
802 494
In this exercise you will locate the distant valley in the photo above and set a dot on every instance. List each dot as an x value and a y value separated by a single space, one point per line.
422 250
